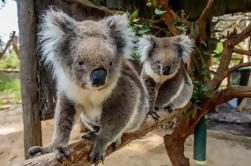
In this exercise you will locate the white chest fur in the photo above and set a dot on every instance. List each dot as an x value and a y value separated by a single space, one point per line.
88 101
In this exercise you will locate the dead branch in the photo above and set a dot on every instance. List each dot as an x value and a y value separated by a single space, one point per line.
8 44
82 149
243 52
229 45
89 4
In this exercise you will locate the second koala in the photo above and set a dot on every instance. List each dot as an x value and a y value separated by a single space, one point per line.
168 83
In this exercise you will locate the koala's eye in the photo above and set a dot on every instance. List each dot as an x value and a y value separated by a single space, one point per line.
80 63
110 64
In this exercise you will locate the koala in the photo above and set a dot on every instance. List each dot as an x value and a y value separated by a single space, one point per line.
94 81
168 83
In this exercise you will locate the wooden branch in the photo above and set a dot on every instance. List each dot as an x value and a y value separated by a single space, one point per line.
201 22
229 45
168 17
243 52
7 44
82 149
236 67
89 4
205 13
174 143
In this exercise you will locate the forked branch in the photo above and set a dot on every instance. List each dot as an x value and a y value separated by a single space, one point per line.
82 149
229 45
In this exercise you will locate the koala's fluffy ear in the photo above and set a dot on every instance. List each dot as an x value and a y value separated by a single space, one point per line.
121 32
184 45
55 24
145 46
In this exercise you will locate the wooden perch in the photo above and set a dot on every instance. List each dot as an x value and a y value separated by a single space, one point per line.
82 149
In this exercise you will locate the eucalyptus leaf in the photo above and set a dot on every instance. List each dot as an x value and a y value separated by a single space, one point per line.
159 12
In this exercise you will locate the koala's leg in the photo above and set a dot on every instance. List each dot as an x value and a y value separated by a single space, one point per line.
169 91
117 115
90 135
185 95
152 92
63 122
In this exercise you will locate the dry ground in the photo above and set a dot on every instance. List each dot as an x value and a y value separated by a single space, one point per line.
147 151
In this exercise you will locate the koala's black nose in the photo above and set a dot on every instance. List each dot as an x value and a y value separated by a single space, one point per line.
166 70
98 76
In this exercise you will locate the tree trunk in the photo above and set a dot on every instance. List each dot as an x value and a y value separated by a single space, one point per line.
28 74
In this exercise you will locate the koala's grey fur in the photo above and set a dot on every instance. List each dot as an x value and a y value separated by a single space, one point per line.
172 90
75 49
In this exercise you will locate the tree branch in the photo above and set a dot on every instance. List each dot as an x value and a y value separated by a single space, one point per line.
89 4
8 44
82 149
226 95
236 67
243 52
168 17
201 22
229 45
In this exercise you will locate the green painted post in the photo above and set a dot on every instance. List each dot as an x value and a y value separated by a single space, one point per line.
200 141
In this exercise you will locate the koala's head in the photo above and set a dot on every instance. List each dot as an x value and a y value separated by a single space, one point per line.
164 55
88 52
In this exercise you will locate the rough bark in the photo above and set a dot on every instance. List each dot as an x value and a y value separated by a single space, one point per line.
174 143
82 149
28 74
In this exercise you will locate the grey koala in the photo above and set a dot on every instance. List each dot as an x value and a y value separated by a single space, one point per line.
94 80
168 83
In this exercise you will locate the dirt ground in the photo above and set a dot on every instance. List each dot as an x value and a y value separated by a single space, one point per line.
147 151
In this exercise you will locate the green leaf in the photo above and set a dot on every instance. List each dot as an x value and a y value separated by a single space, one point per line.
154 3
158 11
134 14
193 29
144 30
203 42
182 29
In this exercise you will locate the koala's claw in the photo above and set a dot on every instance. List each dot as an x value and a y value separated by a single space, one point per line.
115 145
154 115
97 156
169 108
156 108
90 135
35 151
62 152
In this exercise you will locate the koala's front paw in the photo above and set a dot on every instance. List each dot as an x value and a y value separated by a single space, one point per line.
156 108
35 151
97 156
169 108
90 135
115 145
153 114
62 152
